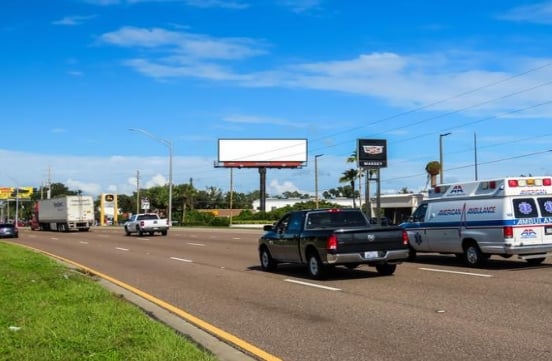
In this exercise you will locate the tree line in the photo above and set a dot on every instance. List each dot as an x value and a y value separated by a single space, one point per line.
187 199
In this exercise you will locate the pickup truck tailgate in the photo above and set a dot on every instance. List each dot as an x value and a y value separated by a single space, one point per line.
351 240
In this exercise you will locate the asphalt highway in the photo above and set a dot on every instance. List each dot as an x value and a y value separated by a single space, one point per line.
431 309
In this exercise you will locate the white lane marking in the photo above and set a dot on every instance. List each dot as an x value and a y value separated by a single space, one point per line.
312 285
121 249
456 272
182 259
83 242
236 238
196 244
54 239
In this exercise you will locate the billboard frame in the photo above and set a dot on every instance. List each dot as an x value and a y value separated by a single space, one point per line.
262 152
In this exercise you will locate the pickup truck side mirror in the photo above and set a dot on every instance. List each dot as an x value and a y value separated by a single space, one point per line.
268 227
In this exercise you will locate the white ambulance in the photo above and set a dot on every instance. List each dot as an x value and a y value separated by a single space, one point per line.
474 220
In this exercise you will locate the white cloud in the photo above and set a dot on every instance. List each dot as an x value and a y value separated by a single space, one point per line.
185 45
275 187
195 3
299 6
217 4
86 188
442 81
254 119
539 13
73 20
156 181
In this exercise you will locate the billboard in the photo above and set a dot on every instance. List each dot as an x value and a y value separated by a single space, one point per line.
372 153
13 192
255 153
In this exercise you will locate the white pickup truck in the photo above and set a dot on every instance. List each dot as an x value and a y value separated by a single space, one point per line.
150 223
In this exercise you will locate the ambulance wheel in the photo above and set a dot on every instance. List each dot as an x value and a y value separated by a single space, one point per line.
473 255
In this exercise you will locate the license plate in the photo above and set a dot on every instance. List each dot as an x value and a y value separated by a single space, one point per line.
372 254
548 230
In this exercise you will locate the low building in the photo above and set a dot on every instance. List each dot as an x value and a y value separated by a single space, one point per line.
396 207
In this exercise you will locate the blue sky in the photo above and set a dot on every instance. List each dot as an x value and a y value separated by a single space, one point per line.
77 74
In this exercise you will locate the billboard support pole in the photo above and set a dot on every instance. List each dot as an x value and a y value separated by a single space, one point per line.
262 187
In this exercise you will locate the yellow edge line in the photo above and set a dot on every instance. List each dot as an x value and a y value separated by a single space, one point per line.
185 315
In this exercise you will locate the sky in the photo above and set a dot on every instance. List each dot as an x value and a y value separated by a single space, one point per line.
77 75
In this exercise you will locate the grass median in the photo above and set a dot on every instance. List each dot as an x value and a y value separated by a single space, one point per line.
51 312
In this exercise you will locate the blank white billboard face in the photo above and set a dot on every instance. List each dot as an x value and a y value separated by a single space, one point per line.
255 152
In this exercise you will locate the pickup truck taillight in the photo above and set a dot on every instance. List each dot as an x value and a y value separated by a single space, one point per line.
331 244
405 237
141 223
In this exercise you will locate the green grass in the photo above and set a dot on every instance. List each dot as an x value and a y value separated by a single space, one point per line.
50 312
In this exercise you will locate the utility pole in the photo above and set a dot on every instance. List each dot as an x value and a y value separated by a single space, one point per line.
316 197
231 192
137 191
49 192
441 176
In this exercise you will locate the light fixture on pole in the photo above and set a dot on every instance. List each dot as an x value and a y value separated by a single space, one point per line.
169 145
316 178
441 136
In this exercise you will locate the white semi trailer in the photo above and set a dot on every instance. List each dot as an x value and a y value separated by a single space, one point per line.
63 214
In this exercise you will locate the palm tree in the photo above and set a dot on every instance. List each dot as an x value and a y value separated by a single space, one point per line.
350 176
433 168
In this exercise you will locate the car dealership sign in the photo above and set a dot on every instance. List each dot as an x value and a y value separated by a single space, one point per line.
372 153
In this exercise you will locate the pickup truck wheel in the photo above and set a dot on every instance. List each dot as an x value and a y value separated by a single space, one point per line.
267 262
386 269
163 233
126 231
315 266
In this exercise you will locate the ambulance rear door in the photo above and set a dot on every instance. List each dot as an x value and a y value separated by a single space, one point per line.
533 225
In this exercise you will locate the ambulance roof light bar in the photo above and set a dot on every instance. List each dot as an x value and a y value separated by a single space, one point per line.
530 182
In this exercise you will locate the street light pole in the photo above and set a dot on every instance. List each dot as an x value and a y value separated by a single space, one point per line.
441 136
316 178
169 145
16 202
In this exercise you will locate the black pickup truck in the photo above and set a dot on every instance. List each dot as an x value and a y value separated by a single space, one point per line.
322 238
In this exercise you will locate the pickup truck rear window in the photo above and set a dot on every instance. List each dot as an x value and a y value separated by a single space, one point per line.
147 216
336 220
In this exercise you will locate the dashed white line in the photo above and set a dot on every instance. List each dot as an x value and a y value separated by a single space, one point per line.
83 242
312 285
182 259
456 272
196 244
121 249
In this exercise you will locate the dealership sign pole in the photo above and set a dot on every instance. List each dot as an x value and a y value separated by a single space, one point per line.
372 154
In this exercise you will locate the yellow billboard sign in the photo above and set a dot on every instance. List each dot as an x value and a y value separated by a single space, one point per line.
13 192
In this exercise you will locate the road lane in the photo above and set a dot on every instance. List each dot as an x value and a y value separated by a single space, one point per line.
414 315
